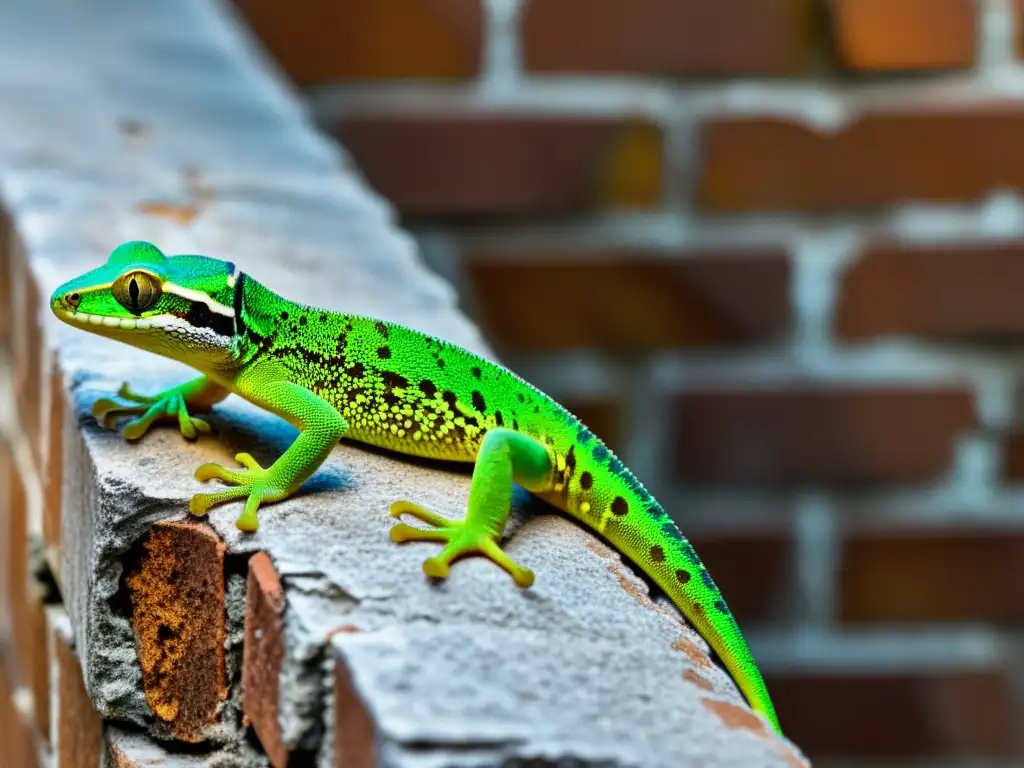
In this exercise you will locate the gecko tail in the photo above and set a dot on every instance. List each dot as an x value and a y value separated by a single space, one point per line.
655 543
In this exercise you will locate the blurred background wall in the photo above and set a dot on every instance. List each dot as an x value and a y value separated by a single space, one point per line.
773 251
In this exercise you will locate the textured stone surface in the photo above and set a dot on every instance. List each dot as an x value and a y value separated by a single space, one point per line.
181 138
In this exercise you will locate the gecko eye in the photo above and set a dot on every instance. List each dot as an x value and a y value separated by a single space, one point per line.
136 291
73 300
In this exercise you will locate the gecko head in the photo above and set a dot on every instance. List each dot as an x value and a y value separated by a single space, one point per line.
178 306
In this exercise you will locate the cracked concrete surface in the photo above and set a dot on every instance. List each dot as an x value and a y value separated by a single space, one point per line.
158 121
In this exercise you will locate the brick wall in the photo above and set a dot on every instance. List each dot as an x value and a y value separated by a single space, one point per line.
773 251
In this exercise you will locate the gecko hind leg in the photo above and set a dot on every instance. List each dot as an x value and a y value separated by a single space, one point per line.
505 458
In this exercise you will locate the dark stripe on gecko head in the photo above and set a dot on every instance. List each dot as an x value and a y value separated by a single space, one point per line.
200 316
236 303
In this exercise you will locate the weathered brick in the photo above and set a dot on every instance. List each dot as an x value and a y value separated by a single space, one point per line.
354 729
263 655
505 163
36 659
79 728
813 433
5 280
906 34
667 36
176 591
885 155
27 351
630 301
327 40
750 566
902 575
945 290
944 713
15 550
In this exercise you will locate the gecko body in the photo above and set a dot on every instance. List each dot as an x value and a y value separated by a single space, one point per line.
335 375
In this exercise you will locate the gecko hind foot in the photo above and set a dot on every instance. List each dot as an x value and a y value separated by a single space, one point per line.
461 537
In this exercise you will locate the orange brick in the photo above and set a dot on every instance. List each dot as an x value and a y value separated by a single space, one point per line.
325 40
354 729
493 163
667 36
52 533
941 151
815 433
628 301
6 234
18 750
945 290
906 34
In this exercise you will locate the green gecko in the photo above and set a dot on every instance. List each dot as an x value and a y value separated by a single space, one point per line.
332 375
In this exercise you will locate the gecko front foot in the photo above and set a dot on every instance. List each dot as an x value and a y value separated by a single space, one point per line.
171 404
255 484
462 537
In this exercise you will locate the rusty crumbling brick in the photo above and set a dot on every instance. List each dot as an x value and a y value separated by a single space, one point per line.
176 591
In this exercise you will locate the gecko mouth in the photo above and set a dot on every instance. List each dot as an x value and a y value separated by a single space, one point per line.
127 323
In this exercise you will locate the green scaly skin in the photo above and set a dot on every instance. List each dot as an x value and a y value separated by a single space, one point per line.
332 374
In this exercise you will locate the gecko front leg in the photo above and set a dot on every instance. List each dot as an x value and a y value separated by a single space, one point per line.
505 457
320 425
172 404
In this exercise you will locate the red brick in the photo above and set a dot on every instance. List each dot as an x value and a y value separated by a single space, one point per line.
818 433
667 36
5 280
326 40
503 163
175 586
1013 459
28 354
16 565
904 575
628 301
354 729
751 567
15 734
79 726
52 532
946 714
263 655
948 290
906 34
940 151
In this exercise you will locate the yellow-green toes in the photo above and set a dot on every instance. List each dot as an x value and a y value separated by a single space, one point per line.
255 484
461 539
170 405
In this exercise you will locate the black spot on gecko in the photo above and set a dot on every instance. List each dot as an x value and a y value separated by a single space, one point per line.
323 317
356 370
284 315
394 380
570 459
384 353
428 388
682 576
449 397
521 396
499 419
586 481
478 402
477 373
440 363
657 554
381 329
303 320
515 425
620 507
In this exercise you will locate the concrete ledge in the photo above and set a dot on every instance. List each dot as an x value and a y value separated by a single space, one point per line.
160 122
